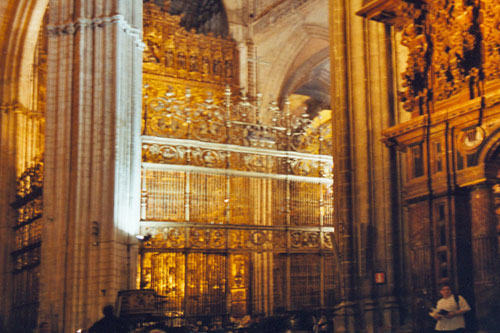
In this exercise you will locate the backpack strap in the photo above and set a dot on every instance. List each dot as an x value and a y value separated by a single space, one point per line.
457 301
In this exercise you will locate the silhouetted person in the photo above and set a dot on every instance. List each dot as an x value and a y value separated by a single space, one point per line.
110 323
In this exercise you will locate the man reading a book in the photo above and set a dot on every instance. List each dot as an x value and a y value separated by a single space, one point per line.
449 311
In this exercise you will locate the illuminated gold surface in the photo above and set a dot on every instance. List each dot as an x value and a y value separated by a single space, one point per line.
229 187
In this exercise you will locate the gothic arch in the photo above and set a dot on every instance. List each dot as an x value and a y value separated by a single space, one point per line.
302 74
291 49
20 25
22 22
490 147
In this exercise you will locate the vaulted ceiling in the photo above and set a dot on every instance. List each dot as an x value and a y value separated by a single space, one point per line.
205 16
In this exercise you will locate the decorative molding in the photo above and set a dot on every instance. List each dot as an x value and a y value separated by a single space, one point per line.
229 172
235 148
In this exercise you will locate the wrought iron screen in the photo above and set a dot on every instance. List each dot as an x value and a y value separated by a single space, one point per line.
240 213
237 197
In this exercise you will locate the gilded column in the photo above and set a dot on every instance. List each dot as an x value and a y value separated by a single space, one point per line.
92 175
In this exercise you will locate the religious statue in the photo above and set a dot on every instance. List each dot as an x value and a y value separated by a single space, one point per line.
193 63
181 61
205 65
228 68
169 58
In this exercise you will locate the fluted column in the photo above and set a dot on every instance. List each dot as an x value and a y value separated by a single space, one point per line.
365 188
342 145
92 174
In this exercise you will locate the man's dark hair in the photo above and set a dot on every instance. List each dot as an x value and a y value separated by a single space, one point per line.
108 311
445 284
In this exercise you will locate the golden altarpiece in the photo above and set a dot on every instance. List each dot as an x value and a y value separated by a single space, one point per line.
237 200
451 88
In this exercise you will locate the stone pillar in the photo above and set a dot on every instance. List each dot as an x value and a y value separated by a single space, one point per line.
383 180
7 217
485 258
362 109
92 163
342 145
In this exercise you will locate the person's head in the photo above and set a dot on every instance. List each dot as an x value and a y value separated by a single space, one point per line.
445 290
108 311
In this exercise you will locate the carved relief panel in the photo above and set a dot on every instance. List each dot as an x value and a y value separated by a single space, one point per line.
173 51
490 27
443 38
456 53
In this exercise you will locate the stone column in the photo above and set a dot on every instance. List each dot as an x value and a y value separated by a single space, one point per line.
92 174
485 258
342 145
362 108
383 180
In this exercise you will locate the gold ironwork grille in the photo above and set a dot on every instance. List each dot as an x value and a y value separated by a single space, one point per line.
237 197
26 256
207 197
305 281
165 195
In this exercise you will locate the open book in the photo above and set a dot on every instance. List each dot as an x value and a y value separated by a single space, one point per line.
441 312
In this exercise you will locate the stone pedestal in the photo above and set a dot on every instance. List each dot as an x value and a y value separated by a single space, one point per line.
370 315
344 317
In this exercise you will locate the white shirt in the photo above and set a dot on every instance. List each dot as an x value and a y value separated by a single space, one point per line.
449 304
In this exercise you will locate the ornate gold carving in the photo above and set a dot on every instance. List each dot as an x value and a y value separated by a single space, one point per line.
490 28
30 211
184 154
171 50
443 38
208 158
305 239
30 180
471 139
412 24
154 153
165 237
456 54
224 238
173 113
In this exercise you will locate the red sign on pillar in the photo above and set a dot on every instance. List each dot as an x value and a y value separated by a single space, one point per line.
379 277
